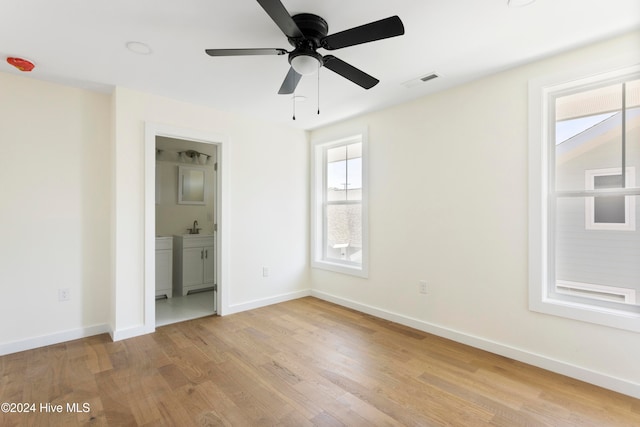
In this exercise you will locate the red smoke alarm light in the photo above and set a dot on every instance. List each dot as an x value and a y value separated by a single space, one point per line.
21 64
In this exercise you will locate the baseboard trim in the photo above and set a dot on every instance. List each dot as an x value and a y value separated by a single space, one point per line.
597 378
57 338
134 331
123 334
263 302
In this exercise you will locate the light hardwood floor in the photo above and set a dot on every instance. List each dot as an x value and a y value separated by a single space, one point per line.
300 363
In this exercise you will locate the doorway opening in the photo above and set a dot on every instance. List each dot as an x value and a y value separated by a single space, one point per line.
185 193
185 204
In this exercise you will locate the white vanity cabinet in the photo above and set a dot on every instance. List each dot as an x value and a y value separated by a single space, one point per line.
193 261
164 266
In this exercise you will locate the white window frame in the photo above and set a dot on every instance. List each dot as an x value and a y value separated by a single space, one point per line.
603 293
589 203
540 230
318 201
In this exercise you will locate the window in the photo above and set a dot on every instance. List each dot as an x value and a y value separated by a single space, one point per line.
584 153
339 205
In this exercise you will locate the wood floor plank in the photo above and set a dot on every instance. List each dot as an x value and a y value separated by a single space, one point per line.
305 362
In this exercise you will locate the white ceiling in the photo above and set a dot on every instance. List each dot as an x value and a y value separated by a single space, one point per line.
82 43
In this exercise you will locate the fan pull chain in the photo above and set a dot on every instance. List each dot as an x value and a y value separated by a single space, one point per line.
293 99
318 88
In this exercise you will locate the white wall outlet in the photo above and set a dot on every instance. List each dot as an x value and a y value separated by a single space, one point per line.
422 286
64 294
265 271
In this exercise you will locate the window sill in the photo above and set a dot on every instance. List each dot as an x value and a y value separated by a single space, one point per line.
588 313
358 271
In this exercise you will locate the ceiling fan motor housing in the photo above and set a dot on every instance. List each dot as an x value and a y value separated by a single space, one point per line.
313 28
304 58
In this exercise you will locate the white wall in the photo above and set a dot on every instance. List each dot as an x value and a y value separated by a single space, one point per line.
268 203
448 204
55 215
72 168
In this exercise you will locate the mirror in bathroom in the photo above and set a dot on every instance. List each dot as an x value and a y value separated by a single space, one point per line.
191 185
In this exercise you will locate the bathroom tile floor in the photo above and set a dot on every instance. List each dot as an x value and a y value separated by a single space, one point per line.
181 308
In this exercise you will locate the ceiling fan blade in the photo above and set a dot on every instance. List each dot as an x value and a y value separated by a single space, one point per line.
240 52
350 72
290 82
276 10
378 30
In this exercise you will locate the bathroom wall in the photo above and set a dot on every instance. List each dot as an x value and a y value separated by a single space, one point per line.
173 218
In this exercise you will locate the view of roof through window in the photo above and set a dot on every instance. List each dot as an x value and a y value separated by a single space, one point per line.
579 112
567 129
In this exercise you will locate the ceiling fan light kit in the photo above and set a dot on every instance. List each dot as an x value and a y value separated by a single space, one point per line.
307 33
305 63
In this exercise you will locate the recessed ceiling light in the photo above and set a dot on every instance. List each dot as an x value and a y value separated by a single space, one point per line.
139 48
519 3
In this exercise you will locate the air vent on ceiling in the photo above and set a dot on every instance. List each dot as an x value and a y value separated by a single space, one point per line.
420 80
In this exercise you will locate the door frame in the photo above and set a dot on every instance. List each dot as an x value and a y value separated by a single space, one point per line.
152 130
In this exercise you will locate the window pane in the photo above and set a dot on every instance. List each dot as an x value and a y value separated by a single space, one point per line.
595 258
354 172
354 179
337 173
344 172
344 232
632 158
632 99
587 134
633 138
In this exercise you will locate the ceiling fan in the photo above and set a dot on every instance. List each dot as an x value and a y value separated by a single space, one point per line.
307 33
